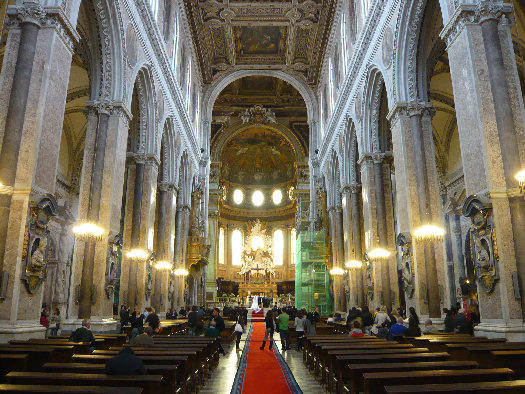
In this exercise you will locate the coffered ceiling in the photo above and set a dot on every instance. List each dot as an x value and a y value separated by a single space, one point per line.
289 35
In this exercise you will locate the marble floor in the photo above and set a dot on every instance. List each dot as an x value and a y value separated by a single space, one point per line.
222 378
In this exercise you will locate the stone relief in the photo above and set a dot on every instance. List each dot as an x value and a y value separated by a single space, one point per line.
483 246
404 241
112 264
36 241
388 47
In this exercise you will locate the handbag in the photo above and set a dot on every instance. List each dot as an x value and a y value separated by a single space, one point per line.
238 328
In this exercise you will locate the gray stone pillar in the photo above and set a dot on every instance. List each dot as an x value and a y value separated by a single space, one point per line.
491 129
460 258
181 240
31 15
133 297
162 201
425 213
357 241
382 226
95 193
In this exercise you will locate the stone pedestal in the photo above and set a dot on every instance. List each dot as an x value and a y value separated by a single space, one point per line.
21 330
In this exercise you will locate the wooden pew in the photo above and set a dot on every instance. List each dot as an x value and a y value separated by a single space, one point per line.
375 381
185 377
513 386
341 371
25 388
13 362
480 351
37 355
169 372
514 359
150 384
356 371
77 347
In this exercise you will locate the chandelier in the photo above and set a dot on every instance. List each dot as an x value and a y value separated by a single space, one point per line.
429 232
163 266
88 231
520 177
181 272
354 264
379 254
137 255
337 271
258 114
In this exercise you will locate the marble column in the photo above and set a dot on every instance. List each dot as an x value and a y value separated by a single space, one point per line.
133 297
181 239
34 39
162 204
491 132
382 235
95 193
353 244
101 187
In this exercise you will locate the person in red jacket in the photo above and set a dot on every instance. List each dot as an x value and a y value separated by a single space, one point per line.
43 319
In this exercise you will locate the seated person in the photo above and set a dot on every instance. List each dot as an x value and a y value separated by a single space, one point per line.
211 331
144 339
356 331
83 334
429 328
125 363
399 328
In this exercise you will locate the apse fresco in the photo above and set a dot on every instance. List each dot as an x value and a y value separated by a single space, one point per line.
258 156
260 40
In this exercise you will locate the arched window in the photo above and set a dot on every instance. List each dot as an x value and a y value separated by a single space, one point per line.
154 7
278 247
344 42
236 247
174 54
330 85
188 84
293 234
221 245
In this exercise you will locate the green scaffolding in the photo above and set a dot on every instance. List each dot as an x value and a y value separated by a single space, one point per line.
312 278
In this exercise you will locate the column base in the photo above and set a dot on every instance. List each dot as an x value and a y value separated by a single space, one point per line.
98 325
514 332
21 331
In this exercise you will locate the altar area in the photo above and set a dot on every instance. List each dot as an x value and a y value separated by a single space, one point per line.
258 269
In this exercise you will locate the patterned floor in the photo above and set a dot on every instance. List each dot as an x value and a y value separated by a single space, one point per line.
223 376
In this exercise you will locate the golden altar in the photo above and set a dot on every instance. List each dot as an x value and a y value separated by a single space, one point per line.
257 289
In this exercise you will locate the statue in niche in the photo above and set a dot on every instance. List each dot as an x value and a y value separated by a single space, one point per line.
36 245
60 287
369 278
112 264
404 241
483 245
149 277
171 288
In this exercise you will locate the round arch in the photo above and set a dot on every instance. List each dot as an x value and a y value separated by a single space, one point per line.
372 103
214 90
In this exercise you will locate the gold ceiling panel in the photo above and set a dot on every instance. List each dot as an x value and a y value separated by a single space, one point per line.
286 35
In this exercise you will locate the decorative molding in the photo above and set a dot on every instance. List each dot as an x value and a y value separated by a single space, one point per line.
473 14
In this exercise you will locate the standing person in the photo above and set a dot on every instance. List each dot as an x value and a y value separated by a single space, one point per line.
269 323
124 317
413 324
219 325
137 324
44 321
152 319
57 319
310 324
193 321
284 318
239 329
300 323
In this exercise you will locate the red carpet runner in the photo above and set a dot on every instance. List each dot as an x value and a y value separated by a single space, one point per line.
258 316
263 372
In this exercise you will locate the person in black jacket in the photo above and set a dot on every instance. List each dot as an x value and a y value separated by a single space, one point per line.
367 320
83 334
152 319
125 363
219 325
270 329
